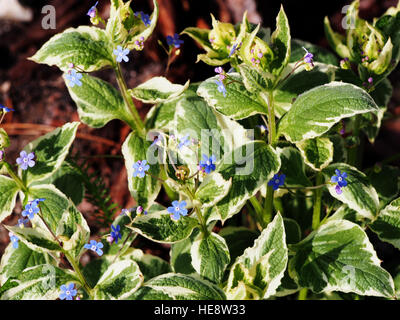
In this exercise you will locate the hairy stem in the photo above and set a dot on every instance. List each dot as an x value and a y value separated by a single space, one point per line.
354 152
302 294
78 271
17 180
268 206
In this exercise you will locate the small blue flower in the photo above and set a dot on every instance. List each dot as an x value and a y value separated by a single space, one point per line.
308 59
340 179
14 240
26 160
221 87
208 164
5 109
233 50
116 233
145 18
67 292
122 54
175 41
92 11
140 168
178 209
74 78
30 210
95 246
277 181
22 223
37 201
184 142
125 212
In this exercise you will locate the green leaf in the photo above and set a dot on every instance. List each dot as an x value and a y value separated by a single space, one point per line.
36 239
359 194
157 89
387 224
213 188
210 256
175 286
253 80
238 103
93 271
74 231
386 181
8 195
320 54
299 82
200 36
52 208
160 227
120 280
317 110
317 153
98 102
40 282
249 166
336 40
181 260
292 231
345 213
70 183
50 151
16 260
146 189
150 266
339 257
261 267
292 165
238 239
280 39
88 48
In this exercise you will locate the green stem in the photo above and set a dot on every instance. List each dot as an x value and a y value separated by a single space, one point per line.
354 152
271 119
302 294
278 204
316 219
17 180
138 124
79 274
268 206
258 209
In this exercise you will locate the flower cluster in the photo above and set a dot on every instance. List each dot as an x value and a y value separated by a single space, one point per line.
26 160
177 210
139 44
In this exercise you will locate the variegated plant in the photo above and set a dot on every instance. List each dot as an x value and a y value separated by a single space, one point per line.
261 165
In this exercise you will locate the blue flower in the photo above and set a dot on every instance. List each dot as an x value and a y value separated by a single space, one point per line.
37 201
125 212
145 18
184 141
308 59
175 41
30 210
277 181
67 292
26 160
94 246
115 233
340 179
221 87
122 54
233 50
74 78
14 240
178 209
208 164
5 109
140 168
92 11
22 223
